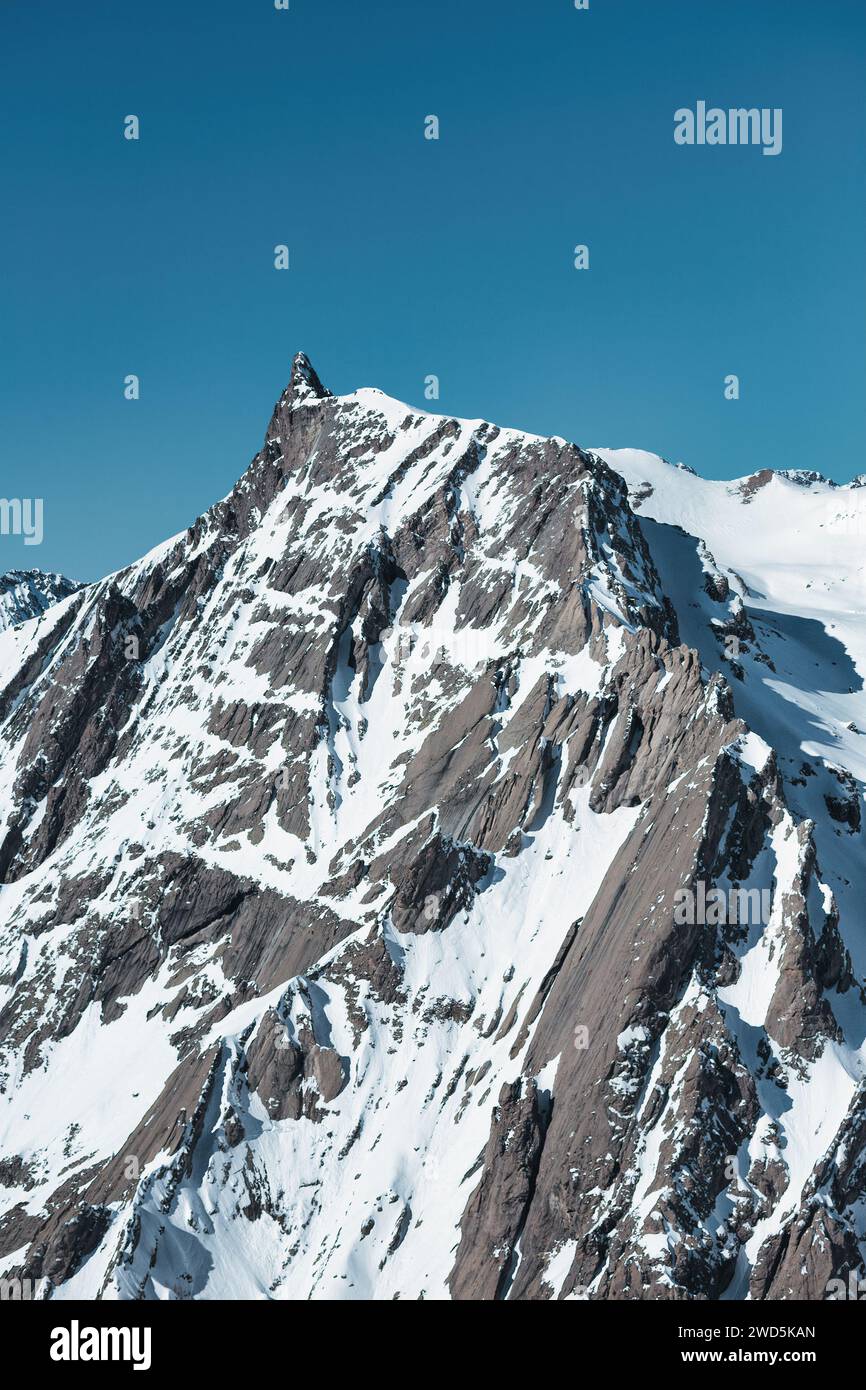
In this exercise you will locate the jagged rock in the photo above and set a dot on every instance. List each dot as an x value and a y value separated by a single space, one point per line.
801 1261
28 594
497 1208
279 1066
438 883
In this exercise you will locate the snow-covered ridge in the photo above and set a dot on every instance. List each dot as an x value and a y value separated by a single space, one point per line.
342 840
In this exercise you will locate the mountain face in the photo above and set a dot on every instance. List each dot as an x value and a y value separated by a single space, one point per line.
27 593
439 873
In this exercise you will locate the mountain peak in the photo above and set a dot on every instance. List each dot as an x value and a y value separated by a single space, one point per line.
805 477
26 594
413 748
304 383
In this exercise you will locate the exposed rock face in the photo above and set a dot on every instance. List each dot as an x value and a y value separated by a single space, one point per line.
497 1209
367 857
26 594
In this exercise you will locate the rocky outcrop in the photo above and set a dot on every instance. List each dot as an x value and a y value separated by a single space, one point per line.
494 1217
289 1078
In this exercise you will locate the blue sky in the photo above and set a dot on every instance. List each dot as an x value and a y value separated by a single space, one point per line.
411 257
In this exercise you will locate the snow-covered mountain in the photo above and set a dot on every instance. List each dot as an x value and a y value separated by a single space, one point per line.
27 593
368 854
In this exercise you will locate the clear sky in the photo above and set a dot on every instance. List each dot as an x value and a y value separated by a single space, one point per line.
408 256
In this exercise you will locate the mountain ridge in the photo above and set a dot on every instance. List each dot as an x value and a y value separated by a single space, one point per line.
342 835
26 594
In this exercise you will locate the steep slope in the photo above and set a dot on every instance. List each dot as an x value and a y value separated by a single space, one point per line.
342 839
768 575
27 593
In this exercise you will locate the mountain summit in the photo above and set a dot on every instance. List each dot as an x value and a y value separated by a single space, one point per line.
304 384
439 873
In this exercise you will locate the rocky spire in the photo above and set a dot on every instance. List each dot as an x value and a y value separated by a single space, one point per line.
304 384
